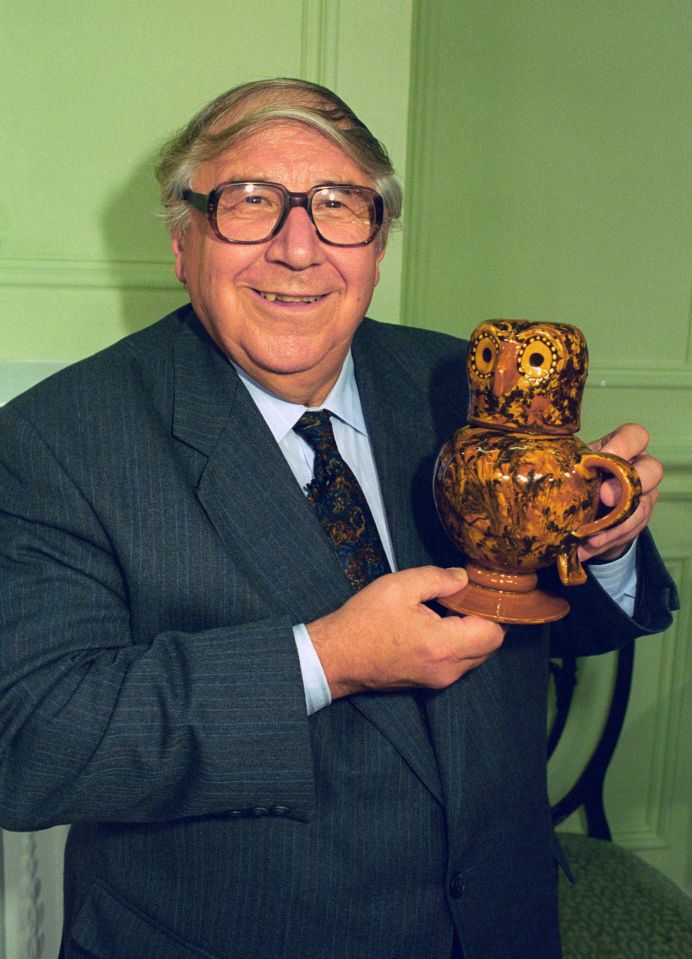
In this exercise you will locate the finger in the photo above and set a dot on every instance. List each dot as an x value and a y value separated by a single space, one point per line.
627 441
601 442
462 643
624 531
650 472
613 542
430 582
475 635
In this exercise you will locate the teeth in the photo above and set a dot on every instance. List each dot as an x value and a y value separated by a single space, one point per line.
287 299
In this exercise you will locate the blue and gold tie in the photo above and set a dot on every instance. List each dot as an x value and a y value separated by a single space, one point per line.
340 504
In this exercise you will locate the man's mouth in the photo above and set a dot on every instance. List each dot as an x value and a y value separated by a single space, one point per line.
285 298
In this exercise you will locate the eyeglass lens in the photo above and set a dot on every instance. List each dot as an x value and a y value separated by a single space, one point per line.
250 211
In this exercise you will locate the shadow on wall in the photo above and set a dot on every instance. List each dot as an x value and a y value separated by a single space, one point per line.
139 255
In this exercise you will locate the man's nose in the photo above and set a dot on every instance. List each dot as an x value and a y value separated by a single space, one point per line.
297 244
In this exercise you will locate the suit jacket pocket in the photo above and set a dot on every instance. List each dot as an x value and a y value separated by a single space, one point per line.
108 927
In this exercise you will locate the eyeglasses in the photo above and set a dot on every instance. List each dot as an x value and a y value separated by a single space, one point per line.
253 211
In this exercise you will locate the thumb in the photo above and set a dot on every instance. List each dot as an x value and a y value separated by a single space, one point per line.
433 582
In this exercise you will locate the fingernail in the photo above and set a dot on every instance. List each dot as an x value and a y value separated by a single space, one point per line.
458 571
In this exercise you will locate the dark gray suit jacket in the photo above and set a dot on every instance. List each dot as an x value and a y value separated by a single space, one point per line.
155 552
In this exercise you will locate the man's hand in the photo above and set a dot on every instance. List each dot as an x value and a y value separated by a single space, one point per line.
385 637
629 442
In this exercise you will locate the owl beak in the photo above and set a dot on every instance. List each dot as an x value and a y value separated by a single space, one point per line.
506 372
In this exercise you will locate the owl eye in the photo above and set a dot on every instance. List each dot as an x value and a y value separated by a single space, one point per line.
537 359
484 355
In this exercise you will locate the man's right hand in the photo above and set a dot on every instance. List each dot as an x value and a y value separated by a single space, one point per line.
385 637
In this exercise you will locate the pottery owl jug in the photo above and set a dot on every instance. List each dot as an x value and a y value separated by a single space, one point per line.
516 490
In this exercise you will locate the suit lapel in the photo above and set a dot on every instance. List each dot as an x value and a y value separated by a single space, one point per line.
251 497
400 435
248 490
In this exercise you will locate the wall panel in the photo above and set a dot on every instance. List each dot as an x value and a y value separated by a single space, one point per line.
548 179
82 137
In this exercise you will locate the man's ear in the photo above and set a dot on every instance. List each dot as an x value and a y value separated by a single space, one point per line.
177 247
380 256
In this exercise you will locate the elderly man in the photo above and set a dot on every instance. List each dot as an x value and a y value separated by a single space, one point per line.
268 743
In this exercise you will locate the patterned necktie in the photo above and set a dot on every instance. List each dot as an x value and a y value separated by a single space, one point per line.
340 504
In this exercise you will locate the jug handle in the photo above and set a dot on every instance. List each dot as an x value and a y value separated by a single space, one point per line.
630 491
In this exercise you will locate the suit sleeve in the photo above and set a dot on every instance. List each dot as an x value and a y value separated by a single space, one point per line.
596 624
97 727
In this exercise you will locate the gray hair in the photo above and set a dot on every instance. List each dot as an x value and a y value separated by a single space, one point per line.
242 110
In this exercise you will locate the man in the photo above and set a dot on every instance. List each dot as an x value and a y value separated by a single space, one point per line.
268 745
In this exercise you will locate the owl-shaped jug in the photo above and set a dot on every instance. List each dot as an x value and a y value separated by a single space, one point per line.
516 490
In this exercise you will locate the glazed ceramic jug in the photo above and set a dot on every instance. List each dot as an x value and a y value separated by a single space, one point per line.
516 490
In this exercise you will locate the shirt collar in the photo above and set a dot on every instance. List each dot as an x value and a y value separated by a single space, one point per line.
281 416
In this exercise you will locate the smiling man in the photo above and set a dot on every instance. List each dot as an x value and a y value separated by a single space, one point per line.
220 656
286 309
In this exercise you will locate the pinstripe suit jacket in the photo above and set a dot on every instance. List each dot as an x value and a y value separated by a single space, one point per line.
155 552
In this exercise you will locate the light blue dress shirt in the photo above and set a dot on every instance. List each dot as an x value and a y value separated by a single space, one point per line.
618 579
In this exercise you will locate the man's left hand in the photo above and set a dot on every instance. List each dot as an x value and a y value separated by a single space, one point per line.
629 442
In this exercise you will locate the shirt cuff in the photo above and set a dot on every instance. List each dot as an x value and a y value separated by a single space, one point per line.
317 694
619 578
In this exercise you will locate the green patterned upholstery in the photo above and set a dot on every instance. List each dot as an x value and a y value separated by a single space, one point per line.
620 907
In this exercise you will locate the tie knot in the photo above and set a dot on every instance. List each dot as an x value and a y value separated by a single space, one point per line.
316 429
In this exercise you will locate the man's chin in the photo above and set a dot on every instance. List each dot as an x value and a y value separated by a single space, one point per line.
303 379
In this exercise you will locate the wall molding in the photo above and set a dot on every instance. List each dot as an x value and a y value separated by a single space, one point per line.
76 274
319 53
16 376
31 906
670 376
670 723
654 832
677 480
151 276
639 840
420 167
661 761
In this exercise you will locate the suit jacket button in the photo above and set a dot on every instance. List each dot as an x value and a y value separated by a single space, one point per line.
234 813
259 811
456 886
279 810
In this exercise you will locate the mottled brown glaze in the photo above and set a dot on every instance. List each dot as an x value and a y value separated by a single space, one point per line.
518 502
518 492
526 376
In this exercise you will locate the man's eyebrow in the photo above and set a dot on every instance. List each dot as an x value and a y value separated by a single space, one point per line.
261 179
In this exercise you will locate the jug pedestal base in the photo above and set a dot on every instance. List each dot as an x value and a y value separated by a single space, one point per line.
505 598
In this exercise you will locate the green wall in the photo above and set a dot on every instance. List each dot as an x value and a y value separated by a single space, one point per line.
543 150
548 158
92 91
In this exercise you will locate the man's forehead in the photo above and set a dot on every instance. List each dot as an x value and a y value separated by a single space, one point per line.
285 149
254 105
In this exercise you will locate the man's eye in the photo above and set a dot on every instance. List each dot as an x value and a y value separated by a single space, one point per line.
235 203
347 206
321 203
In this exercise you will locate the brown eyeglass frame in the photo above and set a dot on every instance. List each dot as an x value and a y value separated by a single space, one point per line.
207 203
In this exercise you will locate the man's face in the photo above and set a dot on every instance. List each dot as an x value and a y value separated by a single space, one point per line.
246 295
